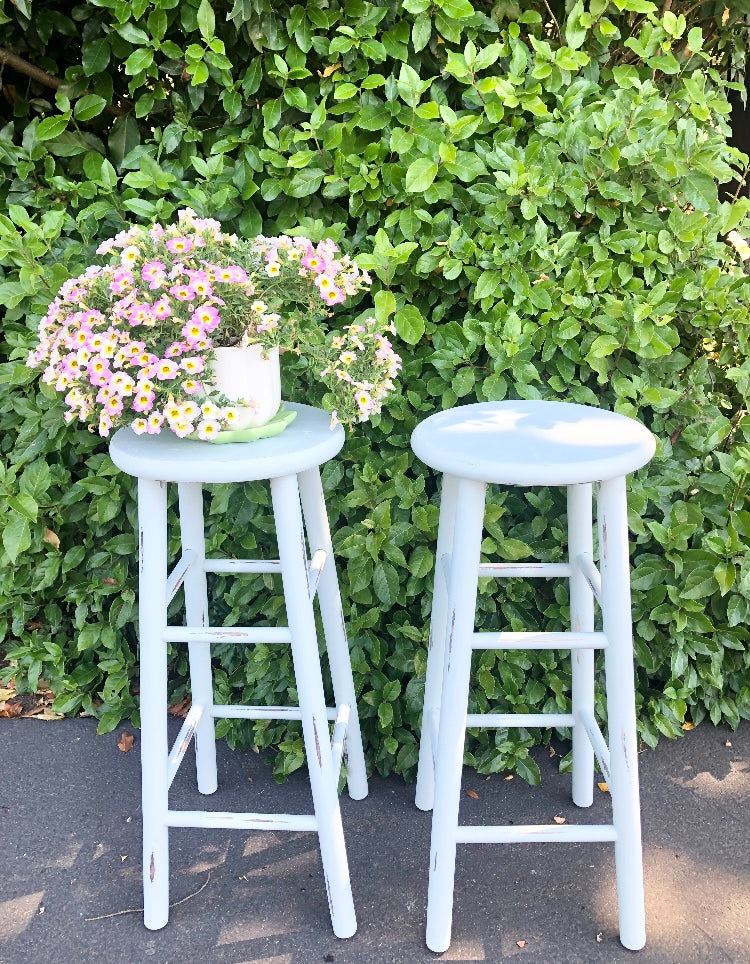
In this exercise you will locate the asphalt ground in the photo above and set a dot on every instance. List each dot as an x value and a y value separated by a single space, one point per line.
70 861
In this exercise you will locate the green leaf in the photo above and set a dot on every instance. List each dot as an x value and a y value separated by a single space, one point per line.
89 106
420 175
16 536
456 9
421 31
528 770
695 39
95 56
52 127
410 324
385 715
385 583
206 20
139 61
25 504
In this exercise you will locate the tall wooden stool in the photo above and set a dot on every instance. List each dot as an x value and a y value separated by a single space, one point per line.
290 461
533 443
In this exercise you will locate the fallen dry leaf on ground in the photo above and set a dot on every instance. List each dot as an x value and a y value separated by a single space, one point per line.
472 793
558 819
521 943
126 742
604 787
11 708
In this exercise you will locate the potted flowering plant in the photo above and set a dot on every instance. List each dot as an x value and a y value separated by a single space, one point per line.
181 331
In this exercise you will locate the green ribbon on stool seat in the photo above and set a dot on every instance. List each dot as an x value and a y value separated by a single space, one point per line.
277 424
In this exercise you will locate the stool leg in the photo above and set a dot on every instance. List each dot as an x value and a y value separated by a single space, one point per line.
152 619
462 597
199 654
332 616
436 647
580 542
293 556
623 743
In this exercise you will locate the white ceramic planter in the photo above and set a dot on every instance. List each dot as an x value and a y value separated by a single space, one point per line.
251 379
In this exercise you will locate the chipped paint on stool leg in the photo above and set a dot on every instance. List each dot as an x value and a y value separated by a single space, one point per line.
293 554
580 543
152 618
614 565
425 791
469 519
196 611
334 629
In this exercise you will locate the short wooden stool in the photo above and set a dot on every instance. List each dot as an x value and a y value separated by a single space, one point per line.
533 443
290 461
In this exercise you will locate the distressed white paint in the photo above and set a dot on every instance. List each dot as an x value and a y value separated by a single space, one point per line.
152 617
334 629
525 570
539 640
196 611
293 554
533 443
290 461
612 518
538 833
580 546
436 647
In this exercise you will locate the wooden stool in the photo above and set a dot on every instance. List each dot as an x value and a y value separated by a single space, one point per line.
290 462
532 443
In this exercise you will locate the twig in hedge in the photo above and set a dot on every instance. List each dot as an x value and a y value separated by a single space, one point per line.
42 77
554 18
24 67
138 910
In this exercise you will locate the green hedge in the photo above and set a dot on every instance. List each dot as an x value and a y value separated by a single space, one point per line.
537 201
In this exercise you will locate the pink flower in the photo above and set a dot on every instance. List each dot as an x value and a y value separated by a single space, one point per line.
105 424
192 365
193 331
139 426
182 292
333 296
176 348
179 245
113 405
190 386
205 315
161 309
144 402
166 369
154 423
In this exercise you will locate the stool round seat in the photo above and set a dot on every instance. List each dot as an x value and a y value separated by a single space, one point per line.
307 442
532 443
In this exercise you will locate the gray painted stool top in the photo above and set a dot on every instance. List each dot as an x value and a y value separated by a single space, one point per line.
306 443
532 443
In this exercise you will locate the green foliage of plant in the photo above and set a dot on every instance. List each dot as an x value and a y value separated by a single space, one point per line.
538 204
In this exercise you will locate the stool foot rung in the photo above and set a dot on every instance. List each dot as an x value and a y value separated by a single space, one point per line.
177 575
539 641
180 745
479 720
525 570
601 751
537 833
237 566
240 712
243 635
241 821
